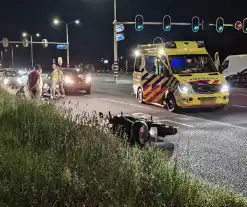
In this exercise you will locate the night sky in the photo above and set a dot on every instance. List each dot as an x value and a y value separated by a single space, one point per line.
93 39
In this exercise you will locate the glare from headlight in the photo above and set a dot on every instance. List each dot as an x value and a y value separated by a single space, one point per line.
5 82
153 131
88 79
19 80
184 88
68 80
224 88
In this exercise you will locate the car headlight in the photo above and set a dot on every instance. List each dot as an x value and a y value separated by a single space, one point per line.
68 80
153 131
224 88
184 88
19 80
5 81
88 79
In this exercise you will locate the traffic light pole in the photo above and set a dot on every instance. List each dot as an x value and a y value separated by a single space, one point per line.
32 49
115 39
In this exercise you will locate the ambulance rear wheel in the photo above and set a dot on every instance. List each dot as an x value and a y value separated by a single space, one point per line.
140 96
171 103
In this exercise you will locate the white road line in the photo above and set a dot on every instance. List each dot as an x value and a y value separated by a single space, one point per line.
187 125
240 94
181 115
129 104
240 106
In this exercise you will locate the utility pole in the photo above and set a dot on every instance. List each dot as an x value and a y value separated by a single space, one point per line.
31 49
67 40
12 55
115 40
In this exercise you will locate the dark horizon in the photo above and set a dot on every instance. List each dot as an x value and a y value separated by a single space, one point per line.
93 39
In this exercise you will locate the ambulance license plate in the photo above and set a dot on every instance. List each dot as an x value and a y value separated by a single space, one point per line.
208 101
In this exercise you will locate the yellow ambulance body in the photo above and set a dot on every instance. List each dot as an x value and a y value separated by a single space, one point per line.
178 74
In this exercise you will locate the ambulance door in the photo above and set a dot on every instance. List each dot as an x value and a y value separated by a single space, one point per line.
155 83
137 75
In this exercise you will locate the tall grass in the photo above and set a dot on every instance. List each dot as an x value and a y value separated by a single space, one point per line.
48 160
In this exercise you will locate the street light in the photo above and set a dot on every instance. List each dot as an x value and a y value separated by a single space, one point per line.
57 21
24 34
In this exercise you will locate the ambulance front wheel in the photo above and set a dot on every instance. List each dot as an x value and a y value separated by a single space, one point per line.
171 103
140 96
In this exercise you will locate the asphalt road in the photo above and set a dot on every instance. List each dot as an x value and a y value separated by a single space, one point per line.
210 145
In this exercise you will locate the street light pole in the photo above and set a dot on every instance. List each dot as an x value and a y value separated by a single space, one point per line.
2 58
114 36
31 49
12 55
67 40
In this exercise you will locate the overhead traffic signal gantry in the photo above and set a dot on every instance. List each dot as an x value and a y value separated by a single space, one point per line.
167 23
219 24
139 22
245 25
195 24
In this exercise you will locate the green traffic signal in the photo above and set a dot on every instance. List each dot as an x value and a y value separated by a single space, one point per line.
245 25
139 22
167 23
195 24
219 24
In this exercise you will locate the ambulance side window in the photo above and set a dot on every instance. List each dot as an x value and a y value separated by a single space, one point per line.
138 64
149 64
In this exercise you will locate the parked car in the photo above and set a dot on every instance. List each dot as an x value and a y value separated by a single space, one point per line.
75 81
11 79
238 80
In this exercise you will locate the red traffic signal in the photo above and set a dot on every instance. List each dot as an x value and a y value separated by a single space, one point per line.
238 25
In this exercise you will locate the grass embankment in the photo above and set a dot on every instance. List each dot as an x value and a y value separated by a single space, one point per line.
46 160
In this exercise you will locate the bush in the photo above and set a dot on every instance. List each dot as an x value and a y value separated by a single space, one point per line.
48 160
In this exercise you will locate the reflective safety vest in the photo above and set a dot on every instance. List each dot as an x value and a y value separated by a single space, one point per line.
55 75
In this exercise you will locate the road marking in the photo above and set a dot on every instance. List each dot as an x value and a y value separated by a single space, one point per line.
145 116
240 106
187 125
181 115
240 94
129 104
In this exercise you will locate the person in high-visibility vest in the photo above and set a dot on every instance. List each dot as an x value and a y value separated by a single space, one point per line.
60 82
54 79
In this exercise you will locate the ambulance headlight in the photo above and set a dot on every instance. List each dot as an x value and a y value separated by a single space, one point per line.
153 131
224 88
184 88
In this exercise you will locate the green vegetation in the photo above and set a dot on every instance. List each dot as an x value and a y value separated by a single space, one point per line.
47 160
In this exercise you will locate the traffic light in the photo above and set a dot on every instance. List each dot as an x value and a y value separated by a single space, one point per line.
167 23
5 42
219 24
238 25
245 25
45 43
139 22
195 24
25 42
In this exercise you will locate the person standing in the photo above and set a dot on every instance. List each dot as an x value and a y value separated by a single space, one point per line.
61 79
33 82
54 80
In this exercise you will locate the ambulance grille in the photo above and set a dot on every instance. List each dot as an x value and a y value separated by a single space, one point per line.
202 89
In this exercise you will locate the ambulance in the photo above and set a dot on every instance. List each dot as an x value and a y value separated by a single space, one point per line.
178 75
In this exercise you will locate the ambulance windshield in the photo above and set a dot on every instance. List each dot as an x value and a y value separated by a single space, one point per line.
182 64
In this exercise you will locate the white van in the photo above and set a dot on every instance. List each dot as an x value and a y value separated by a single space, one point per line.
233 64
